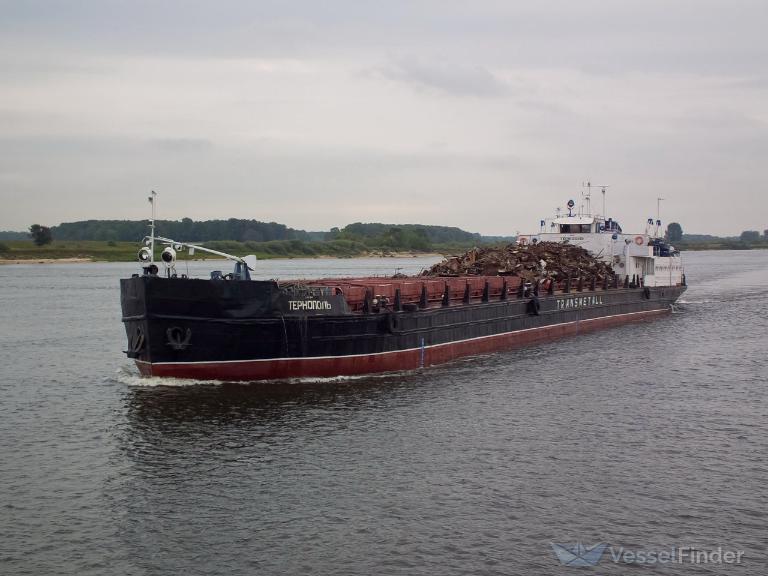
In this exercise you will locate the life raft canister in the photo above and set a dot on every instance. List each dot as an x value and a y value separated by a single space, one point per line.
639 240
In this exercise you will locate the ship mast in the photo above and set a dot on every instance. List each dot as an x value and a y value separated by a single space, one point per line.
152 200
605 214
588 185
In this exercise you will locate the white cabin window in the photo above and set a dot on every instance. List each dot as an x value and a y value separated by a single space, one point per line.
649 267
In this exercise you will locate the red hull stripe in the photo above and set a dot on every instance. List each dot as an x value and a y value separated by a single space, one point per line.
393 361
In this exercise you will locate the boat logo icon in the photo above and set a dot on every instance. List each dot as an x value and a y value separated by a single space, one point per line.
578 554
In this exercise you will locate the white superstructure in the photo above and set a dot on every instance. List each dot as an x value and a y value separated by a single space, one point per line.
645 256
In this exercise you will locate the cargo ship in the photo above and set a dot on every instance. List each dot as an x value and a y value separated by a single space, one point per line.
231 327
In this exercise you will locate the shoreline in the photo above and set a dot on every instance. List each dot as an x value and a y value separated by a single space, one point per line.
9 261
68 260
373 254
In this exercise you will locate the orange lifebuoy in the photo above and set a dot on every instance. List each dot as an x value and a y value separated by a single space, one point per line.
523 240
639 240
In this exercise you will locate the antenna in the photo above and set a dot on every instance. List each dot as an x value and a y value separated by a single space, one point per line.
658 208
588 185
152 200
605 214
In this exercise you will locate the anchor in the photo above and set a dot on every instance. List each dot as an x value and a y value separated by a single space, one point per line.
175 340
135 343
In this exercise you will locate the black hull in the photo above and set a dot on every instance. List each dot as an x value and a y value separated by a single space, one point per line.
250 330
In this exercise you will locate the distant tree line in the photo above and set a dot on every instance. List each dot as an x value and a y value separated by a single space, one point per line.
185 229
374 235
675 234
403 236
10 235
748 239
750 236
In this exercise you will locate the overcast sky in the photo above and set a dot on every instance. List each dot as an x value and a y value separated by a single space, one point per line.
482 115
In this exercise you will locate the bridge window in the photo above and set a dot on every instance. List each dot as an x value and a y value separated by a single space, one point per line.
575 228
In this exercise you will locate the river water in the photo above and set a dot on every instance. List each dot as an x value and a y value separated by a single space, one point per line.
645 437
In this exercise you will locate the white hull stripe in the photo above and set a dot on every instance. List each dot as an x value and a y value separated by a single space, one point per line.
295 358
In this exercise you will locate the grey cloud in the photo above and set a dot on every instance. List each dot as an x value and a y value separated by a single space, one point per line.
706 36
545 106
101 100
55 180
446 77
26 66
182 144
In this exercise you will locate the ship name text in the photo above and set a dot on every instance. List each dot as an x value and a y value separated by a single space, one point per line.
578 302
309 305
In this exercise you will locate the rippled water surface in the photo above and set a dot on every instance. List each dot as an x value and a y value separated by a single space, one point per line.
646 436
